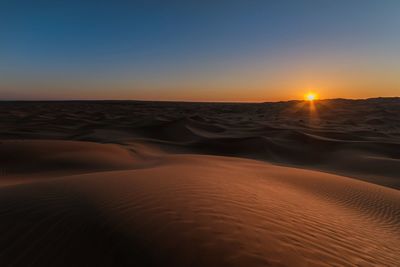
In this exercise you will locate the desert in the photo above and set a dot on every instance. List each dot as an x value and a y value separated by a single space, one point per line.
142 183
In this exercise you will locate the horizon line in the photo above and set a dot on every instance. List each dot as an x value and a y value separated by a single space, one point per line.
190 101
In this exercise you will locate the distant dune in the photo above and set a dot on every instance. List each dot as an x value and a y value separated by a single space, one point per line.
200 184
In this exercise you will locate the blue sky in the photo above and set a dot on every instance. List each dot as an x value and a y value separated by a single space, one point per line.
198 50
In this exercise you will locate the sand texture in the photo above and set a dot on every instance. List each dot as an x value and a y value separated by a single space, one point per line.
196 184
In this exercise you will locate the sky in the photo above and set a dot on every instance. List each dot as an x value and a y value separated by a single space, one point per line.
200 50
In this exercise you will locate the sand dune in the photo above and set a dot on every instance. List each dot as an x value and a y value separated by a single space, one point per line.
189 210
149 184
357 138
24 160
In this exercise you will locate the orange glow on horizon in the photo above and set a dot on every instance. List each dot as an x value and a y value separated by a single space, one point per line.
311 96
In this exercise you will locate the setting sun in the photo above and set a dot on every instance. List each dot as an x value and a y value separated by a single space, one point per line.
310 96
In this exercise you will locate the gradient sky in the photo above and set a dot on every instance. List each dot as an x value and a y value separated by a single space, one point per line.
201 50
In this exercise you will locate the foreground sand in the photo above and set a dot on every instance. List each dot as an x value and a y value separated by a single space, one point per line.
146 208
152 196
